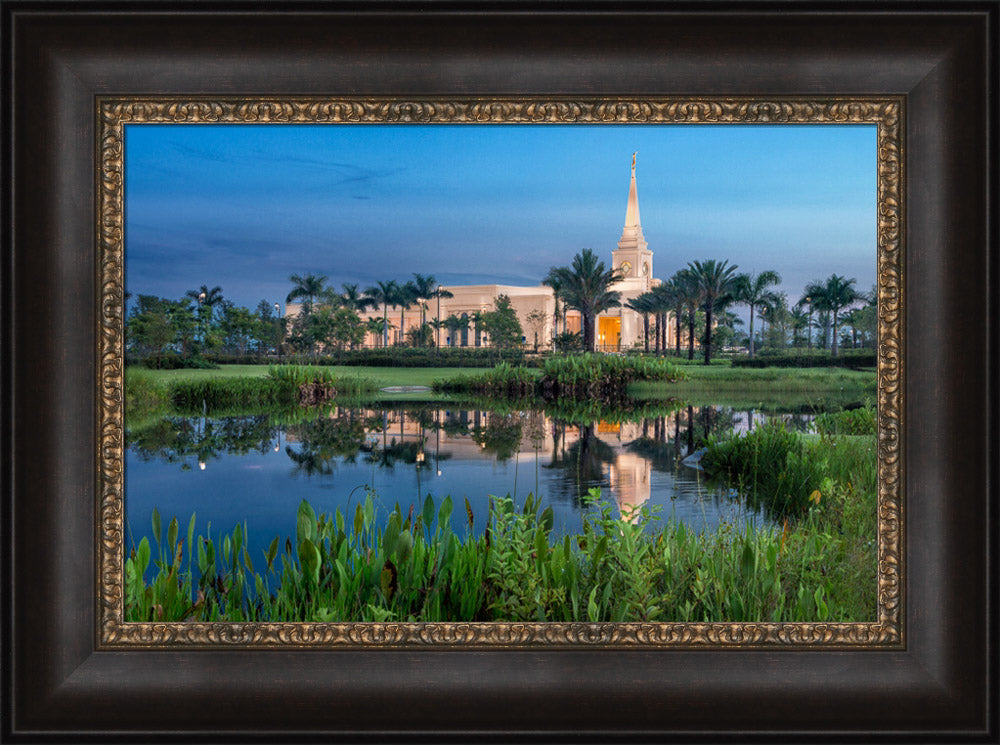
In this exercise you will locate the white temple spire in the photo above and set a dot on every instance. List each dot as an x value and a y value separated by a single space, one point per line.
632 233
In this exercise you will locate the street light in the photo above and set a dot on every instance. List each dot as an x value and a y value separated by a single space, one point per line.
437 340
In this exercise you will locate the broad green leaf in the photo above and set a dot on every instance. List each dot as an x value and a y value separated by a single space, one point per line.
405 546
444 514
190 542
391 534
748 559
547 519
359 520
172 535
305 522
157 528
309 556
142 555
428 512
272 551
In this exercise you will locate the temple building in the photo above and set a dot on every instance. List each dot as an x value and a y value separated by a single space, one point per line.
617 328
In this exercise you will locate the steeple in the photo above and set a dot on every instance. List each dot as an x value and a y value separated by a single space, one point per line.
632 233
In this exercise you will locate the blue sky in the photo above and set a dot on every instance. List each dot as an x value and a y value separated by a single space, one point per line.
245 206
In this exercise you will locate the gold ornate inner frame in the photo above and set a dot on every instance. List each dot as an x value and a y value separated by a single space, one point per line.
113 114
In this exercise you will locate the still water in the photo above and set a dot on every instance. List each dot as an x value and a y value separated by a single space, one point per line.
256 469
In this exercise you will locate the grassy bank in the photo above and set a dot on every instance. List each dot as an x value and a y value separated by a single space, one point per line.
825 484
380 376
412 567
739 387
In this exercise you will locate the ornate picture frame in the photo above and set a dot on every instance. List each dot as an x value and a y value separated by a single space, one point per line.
886 114
71 670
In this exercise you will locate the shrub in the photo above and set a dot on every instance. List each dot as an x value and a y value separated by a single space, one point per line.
848 359
770 467
176 362
861 421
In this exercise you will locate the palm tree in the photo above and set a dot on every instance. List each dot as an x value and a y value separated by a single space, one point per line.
382 293
800 321
816 297
555 283
839 293
754 291
426 287
405 296
308 287
207 300
645 304
353 299
584 286
688 295
716 281
454 324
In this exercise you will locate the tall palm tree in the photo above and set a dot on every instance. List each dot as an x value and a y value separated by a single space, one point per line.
585 287
839 294
206 297
799 318
207 300
688 296
454 324
717 282
426 287
309 287
383 293
754 290
644 304
406 295
353 299
556 284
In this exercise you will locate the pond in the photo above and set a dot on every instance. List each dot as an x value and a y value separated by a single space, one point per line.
257 468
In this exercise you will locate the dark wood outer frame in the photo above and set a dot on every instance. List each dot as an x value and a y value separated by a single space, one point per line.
58 58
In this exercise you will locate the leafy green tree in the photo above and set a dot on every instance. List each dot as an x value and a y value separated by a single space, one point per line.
754 291
342 328
149 329
585 286
537 319
206 301
268 329
502 324
236 325
717 281
421 336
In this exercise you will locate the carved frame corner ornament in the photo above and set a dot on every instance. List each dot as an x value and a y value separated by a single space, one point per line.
114 113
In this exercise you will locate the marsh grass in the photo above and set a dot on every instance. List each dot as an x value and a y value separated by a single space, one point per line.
411 566
281 386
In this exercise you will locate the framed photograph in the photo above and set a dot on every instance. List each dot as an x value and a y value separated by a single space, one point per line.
328 202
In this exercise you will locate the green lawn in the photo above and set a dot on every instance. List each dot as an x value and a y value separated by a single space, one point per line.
715 384
384 376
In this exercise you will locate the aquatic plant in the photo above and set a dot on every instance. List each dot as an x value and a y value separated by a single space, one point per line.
411 566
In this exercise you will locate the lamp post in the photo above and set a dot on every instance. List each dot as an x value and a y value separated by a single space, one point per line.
201 318
277 313
437 339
